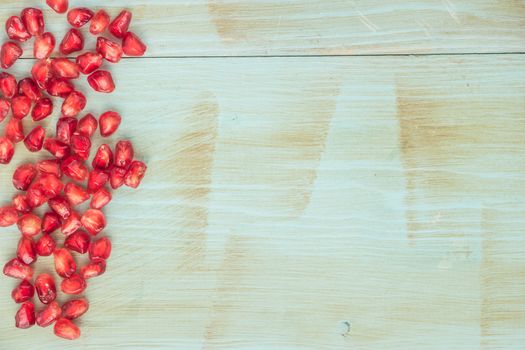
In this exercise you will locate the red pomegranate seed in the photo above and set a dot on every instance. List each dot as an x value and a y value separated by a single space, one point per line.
23 292
66 329
56 147
65 265
49 314
35 139
21 204
20 105
93 221
73 285
17 269
41 72
103 158
59 6
78 242
100 199
59 87
29 88
80 146
73 41
71 224
42 109
123 153
110 50
8 216
119 26
102 81
33 21
60 206
9 53
8 85
74 168
65 128
24 176
16 30
73 104
100 249
29 225
133 46
14 131
44 46
95 268
64 68
99 22
7 150
97 179
89 62
75 194
135 174
51 185
75 308
45 245
35 195
109 123
50 223
79 16
25 316
49 166
5 107
26 250
87 125
116 177
45 288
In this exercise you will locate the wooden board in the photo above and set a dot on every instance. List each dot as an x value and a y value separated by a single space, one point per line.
320 203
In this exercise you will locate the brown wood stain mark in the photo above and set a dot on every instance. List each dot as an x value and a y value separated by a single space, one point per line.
192 170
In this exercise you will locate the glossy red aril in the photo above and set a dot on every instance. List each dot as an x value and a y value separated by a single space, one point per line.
60 206
78 242
16 29
41 72
49 314
74 168
23 292
135 174
95 268
35 139
66 329
97 179
103 158
87 125
119 26
133 46
5 107
56 148
45 288
7 150
50 222
33 20
26 250
44 46
75 308
21 204
64 68
51 185
73 41
65 128
8 85
71 224
116 177
25 316
20 105
79 16
29 88
59 87
29 225
102 81
100 249
24 176
8 216
110 50
123 153
14 131
45 245
65 265
109 123
93 221
36 195
59 6
49 166
17 269
9 53
42 109
75 194
73 285
99 22
80 146
100 199
89 62
73 104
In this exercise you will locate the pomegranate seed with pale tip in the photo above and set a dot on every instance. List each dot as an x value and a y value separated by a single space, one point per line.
109 123
65 128
29 225
21 204
59 6
5 107
45 245
73 41
45 288
102 81
42 109
100 249
99 22
87 125
50 223
65 265
60 206
74 168
41 72
110 50
100 199
75 308
71 224
103 158
119 26
20 105
75 194
73 104
35 139
29 88
51 185
135 174
23 292
97 179
133 46
25 316
89 62
8 216
8 85
95 268
33 20
16 29
116 177
36 195
80 146
49 166
14 131
66 329
7 150
73 285
56 148
44 46
24 176
9 54
60 87
93 221
79 16
123 153
26 250
17 269
49 314
78 242
64 68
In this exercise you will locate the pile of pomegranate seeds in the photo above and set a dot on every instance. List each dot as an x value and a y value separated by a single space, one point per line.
63 179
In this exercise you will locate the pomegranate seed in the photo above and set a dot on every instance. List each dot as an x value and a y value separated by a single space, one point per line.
75 308
100 249
14 131
7 85
29 88
17 269
93 221
133 46
24 176
49 166
45 288
103 158
21 204
78 242
16 30
41 72
79 16
110 50
95 268
8 216
66 329
20 105
75 194
45 245
123 153
71 224
51 185
64 68
25 316
100 199
64 263
116 177
65 128
49 314
59 6
80 146
29 225
35 195
5 107
33 21
74 168
109 123
26 251
56 147
59 87
35 139
87 125
9 53
99 22
73 41
42 109
73 285
7 150
50 223
119 26
23 292
102 81
44 46
60 206
135 174
73 104
89 62
97 179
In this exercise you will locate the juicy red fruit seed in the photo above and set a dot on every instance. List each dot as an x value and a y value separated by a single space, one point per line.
23 292
65 128
71 224
17 269
97 179
8 216
87 125
59 87
79 16
123 153
25 316
100 249
29 88
95 268
135 174
89 62
45 245
116 177
35 139
65 265
78 242
60 206
75 194
20 105
75 308
33 20
26 250
24 176
100 199
45 288
93 221
56 148
51 185
5 107
49 166
41 72
119 26
110 50
73 41
99 22
8 85
109 123
133 46
29 225
74 168
49 314
14 131
73 104
7 150
42 109
16 29
64 68
66 329
44 46
102 81
59 6
73 285
103 158
9 54
21 204
80 146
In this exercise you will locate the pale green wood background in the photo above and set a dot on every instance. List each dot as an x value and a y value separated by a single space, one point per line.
290 197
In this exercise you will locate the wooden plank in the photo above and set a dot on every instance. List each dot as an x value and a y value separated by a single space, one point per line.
313 27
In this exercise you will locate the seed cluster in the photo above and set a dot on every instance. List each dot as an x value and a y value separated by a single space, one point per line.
59 180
